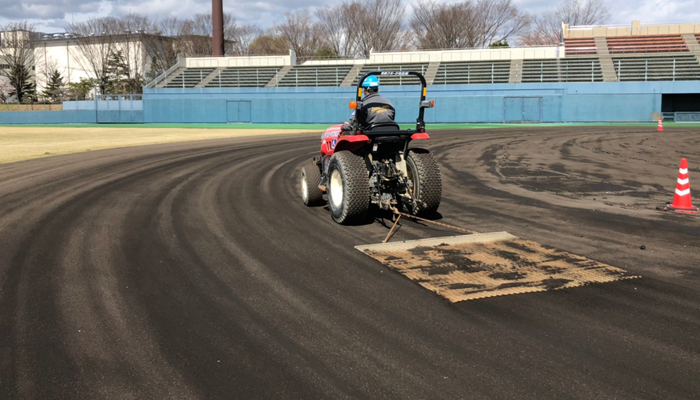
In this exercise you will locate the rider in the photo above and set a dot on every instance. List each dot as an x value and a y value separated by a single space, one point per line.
374 108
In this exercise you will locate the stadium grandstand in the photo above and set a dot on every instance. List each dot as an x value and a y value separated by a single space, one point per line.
587 54
632 73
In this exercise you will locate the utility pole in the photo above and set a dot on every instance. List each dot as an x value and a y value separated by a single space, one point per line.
217 38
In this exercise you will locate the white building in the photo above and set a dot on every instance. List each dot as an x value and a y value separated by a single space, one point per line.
79 58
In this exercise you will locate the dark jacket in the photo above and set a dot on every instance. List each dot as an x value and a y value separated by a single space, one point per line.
374 109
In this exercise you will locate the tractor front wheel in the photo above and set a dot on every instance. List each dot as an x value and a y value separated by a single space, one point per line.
310 193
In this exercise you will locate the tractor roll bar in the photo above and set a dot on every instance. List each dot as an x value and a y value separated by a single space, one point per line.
420 125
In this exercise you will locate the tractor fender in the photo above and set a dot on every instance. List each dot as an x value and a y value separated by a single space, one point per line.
419 136
350 142
329 138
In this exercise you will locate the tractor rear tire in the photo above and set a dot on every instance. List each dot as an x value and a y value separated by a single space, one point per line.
310 193
424 173
348 188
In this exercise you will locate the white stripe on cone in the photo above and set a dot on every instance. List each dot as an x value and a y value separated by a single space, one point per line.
683 170
683 181
682 192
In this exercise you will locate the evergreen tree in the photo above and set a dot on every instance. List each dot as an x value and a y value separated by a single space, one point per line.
500 43
117 73
20 79
120 79
17 54
54 86
326 52
80 90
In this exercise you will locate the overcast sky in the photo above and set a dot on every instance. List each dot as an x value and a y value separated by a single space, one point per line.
55 15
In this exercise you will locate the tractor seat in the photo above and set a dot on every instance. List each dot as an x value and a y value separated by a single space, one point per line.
383 127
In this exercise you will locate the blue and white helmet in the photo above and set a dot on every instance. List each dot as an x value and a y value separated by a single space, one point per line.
371 81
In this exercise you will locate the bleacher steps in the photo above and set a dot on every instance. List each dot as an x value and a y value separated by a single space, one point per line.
209 78
278 77
606 62
431 72
170 77
516 68
350 77
693 45
601 45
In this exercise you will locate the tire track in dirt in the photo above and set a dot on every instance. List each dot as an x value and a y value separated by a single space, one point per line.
195 271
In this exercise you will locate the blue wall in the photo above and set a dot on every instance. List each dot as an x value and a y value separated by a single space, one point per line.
70 117
47 117
558 102
498 103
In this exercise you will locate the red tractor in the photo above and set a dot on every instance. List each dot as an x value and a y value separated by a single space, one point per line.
373 166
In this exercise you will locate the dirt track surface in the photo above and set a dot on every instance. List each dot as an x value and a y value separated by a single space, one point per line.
194 271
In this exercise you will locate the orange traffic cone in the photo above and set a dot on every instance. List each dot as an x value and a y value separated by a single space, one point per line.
681 200
660 128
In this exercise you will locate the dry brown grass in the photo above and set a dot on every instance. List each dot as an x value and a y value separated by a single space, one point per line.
22 143
31 107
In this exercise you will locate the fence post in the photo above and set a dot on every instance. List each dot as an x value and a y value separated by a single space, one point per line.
674 69
646 69
95 96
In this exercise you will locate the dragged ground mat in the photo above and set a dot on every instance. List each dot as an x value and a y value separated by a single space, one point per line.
470 267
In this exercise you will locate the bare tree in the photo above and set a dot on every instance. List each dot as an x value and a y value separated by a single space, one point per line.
17 55
5 89
498 20
130 45
194 38
301 33
242 37
95 44
375 25
268 45
334 30
159 41
467 24
546 29
442 26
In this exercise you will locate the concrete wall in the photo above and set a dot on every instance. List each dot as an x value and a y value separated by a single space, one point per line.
466 55
71 117
47 117
583 102
548 103
635 28
245 61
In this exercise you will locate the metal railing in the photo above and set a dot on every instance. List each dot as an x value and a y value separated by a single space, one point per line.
654 70
160 78
327 77
232 79
693 117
